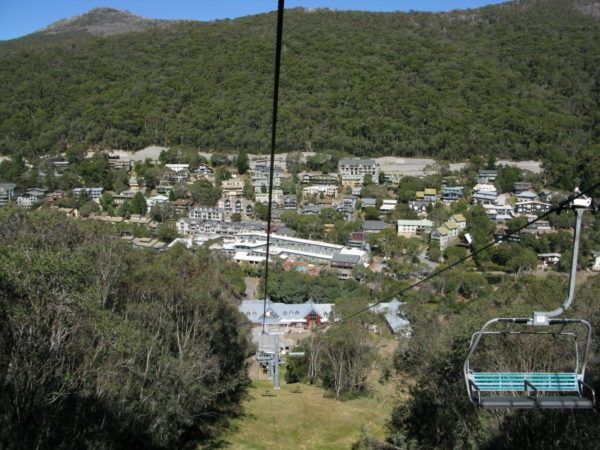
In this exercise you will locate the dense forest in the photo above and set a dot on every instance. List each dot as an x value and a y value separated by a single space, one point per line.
103 346
520 79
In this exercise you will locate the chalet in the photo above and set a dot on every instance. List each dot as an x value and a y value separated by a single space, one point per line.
368 202
347 258
522 186
329 190
375 226
484 194
452 193
407 227
549 259
178 172
499 212
27 201
115 162
187 226
234 186
39 193
93 193
419 206
527 196
487 176
300 315
7 193
318 178
203 170
276 198
388 205
442 235
532 206
262 180
395 317
156 200
539 227
460 220
164 187
207 213
134 184
430 195
357 239
122 197
290 201
311 209
355 191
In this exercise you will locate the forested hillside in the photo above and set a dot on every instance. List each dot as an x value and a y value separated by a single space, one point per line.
103 346
519 79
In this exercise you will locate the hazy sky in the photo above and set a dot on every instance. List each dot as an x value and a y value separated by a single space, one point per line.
20 17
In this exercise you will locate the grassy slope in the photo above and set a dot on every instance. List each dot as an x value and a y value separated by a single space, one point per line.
308 420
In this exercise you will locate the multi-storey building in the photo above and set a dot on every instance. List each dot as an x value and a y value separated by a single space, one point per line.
353 171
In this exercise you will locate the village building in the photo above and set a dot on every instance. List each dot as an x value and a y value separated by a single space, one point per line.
442 235
521 186
532 206
375 226
177 172
452 193
549 259
388 205
408 227
93 193
26 201
233 186
207 213
329 190
487 176
353 171
459 219
7 193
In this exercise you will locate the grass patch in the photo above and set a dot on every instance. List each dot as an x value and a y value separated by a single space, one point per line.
301 416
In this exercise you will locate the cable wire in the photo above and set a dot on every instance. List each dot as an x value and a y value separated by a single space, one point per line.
280 8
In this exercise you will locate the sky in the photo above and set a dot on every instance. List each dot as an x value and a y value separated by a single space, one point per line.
21 17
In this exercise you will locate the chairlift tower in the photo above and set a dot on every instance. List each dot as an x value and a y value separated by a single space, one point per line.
268 356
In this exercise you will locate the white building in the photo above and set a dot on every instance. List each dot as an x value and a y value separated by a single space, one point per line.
207 213
156 200
532 206
329 190
353 171
276 198
251 247
388 205
234 186
26 201
409 227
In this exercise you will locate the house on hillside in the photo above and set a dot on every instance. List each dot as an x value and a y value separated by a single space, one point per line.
452 193
408 227
286 315
487 176
353 171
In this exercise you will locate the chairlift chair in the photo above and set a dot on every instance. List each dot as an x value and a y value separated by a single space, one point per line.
564 389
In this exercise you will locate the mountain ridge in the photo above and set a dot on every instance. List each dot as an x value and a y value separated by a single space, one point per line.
103 21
